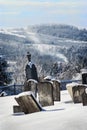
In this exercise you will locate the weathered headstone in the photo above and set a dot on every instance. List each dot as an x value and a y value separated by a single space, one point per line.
17 109
45 93
27 86
28 103
30 69
84 99
76 91
84 78
56 90
31 85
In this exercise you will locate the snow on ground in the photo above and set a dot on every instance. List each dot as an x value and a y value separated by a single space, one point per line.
9 32
33 37
64 115
50 50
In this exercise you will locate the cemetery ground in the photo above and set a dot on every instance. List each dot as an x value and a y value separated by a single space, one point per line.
64 114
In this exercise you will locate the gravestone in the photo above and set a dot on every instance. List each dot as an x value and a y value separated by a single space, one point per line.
84 98
27 86
17 109
28 103
45 93
56 90
31 85
30 69
84 78
76 91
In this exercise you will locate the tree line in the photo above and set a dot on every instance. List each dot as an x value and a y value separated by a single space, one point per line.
63 31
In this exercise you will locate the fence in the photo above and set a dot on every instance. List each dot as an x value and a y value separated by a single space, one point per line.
16 88
12 89
64 82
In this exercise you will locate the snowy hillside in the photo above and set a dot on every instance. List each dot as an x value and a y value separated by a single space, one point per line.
46 49
43 43
63 115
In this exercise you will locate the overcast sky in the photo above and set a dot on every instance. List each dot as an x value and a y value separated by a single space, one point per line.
21 13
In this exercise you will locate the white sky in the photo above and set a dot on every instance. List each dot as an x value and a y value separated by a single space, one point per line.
21 13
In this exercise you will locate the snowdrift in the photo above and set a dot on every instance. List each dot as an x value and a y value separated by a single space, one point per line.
62 115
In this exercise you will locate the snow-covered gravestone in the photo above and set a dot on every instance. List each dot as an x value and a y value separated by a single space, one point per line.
45 93
28 103
84 98
56 90
31 85
84 77
76 91
30 69
56 87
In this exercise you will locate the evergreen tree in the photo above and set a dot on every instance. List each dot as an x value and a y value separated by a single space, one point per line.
5 77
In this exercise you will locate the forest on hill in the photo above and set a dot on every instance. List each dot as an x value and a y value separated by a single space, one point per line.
63 31
57 50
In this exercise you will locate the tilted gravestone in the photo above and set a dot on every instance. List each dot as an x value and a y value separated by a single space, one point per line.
45 93
56 90
28 103
31 85
76 91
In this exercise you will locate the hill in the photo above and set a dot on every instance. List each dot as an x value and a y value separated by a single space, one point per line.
61 56
62 31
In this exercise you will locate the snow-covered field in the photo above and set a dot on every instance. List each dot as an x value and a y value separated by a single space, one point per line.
64 115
